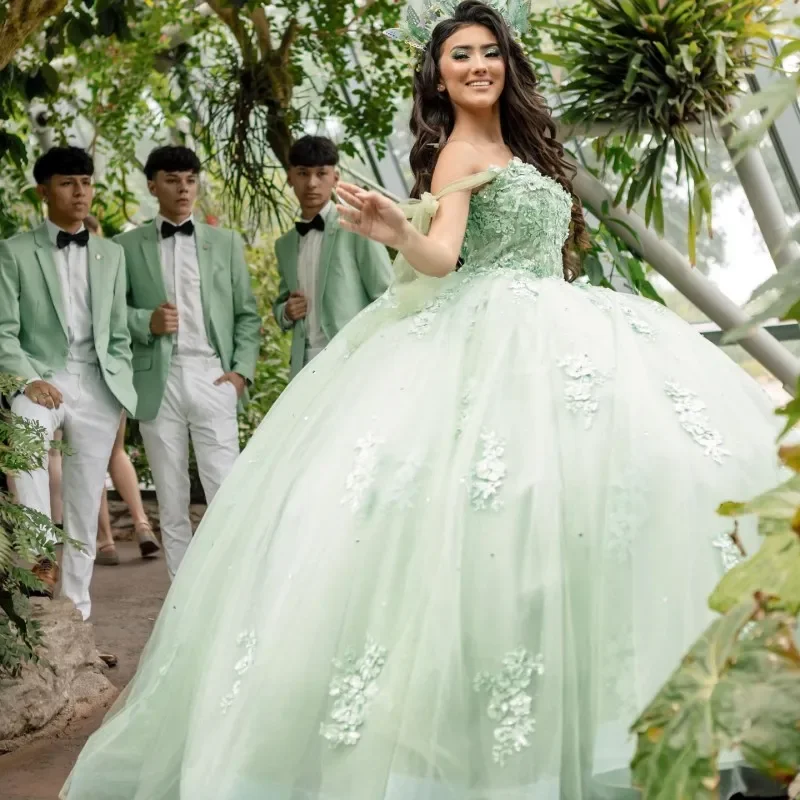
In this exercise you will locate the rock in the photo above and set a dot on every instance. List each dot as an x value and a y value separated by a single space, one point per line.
71 685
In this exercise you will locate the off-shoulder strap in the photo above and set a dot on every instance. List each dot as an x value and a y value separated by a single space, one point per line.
421 213
411 290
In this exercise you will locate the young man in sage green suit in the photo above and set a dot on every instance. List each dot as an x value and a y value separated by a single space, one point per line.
327 275
63 329
196 333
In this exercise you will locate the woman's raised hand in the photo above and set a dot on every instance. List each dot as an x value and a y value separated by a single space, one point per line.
372 215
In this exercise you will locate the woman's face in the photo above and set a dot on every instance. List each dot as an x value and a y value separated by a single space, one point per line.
471 68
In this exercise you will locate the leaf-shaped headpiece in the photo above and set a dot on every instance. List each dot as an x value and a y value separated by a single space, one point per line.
417 30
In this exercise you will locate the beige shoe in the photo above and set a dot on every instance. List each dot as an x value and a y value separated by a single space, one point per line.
148 544
107 556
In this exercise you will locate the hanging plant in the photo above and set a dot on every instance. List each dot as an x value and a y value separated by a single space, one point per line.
655 71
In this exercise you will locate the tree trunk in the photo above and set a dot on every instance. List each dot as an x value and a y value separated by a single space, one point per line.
22 18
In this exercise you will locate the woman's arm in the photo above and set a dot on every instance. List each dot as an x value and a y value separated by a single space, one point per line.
435 254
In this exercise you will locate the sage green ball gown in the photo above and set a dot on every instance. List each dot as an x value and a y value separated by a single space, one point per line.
462 551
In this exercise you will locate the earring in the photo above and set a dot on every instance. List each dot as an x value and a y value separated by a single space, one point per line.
440 89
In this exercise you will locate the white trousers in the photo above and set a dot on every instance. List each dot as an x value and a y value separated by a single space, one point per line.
89 417
192 406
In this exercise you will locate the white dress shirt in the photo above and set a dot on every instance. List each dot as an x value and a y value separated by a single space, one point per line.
72 265
181 270
308 266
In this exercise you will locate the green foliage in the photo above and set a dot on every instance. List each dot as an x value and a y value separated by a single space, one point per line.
271 72
737 688
608 256
272 369
654 69
25 536
241 79
791 411
775 569
779 296
772 101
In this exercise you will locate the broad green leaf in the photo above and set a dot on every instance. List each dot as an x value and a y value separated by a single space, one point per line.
788 50
779 503
658 211
686 57
633 72
774 570
593 270
550 58
733 688
792 413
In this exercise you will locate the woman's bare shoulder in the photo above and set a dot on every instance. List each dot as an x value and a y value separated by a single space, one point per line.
456 161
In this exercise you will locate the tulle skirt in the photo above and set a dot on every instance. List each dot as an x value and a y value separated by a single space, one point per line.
453 563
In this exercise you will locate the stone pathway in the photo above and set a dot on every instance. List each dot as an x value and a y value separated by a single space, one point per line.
126 601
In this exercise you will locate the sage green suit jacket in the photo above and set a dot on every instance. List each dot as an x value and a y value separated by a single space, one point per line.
353 272
232 321
33 322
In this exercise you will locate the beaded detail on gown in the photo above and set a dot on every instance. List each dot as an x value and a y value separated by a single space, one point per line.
459 555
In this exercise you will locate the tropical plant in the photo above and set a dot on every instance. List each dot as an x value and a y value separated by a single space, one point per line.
608 258
772 101
239 78
738 688
272 368
25 535
654 73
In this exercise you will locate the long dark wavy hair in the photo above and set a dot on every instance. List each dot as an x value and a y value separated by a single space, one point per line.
527 125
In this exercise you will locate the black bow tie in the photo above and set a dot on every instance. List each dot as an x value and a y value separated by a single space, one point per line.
65 239
168 230
316 224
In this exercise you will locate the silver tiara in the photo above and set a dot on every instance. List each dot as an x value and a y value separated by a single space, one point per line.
417 29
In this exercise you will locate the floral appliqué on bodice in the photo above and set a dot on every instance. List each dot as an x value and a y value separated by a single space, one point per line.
520 220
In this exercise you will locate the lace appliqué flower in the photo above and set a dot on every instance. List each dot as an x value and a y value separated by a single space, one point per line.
598 298
362 476
583 379
509 702
488 474
421 321
353 687
247 641
693 419
637 323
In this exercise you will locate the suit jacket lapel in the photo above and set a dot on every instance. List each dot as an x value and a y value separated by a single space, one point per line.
205 265
328 239
292 254
152 257
99 277
44 253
